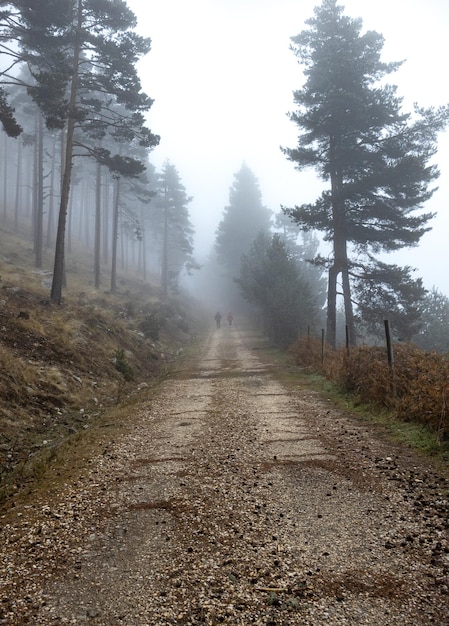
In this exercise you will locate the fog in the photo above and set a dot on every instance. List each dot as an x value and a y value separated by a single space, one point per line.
222 76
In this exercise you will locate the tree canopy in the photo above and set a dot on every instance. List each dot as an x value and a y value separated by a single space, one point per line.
271 280
82 56
433 333
172 222
375 158
242 220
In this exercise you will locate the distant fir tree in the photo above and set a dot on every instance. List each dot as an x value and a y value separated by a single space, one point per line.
83 55
434 331
375 158
143 195
303 245
172 221
271 280
386 291
242 220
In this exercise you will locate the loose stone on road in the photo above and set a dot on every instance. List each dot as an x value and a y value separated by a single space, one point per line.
235 500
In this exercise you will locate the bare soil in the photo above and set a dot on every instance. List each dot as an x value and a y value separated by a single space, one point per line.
233 499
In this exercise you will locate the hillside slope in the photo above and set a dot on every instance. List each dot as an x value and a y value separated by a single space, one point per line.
61 365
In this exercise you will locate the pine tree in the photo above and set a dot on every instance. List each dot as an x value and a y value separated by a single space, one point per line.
433 334
271 280
243 219
303 246
144 191
374 158
175 229
9 34
386 291
83 56
7 118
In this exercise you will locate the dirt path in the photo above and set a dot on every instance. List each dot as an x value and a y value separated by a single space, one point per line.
235 501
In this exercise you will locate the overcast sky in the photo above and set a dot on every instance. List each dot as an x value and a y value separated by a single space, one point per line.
222 76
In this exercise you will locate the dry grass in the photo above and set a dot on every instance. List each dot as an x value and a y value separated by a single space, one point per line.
417 390
58 369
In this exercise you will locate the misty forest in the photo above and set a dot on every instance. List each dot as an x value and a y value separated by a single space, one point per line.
257 434
77 179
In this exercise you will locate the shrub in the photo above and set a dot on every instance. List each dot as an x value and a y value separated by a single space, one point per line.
366 374
421 379
151 326
122 365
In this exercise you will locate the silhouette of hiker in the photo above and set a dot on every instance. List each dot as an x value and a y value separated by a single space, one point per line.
230 318
217 318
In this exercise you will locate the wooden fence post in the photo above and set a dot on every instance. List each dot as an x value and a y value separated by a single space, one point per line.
390 358
322 346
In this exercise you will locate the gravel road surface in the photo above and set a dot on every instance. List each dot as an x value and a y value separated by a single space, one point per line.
234 500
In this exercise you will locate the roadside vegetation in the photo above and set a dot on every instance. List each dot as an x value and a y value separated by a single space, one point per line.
64 369
409 397
70 356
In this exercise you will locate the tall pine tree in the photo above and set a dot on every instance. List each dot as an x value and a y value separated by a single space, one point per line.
374 158
83 56
242 220
171 216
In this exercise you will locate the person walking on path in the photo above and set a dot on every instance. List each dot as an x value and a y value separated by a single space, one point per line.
230 318
218 318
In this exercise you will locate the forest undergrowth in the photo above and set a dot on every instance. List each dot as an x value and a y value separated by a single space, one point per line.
63 368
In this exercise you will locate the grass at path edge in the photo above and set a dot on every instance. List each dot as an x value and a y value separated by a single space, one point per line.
407 434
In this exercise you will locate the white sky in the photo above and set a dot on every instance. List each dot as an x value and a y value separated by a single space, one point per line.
222 76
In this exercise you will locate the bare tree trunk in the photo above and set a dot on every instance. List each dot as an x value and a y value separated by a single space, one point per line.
18 185
142 246
164 267
331 318
340 264
115 235
85 227
349 311
97 242
106 212
58 270
28 205
5 176
123 249
51 204
39 214
69 229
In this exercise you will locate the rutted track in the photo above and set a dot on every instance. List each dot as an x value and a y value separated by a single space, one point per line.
234 500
